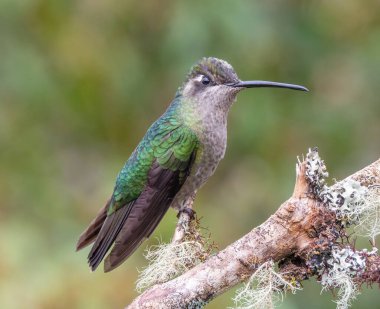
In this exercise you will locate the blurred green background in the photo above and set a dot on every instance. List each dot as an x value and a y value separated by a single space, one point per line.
81 81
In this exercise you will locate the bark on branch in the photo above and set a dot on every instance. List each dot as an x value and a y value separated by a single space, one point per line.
296 235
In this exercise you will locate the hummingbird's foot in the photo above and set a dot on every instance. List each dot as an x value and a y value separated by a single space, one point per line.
185 217
189 211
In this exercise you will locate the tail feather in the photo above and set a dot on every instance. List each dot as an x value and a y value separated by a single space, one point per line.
88 236
107 235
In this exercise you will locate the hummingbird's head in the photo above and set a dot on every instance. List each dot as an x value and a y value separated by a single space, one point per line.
209 80
214 82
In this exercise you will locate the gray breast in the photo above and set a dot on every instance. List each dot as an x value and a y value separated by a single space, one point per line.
213 140
214 143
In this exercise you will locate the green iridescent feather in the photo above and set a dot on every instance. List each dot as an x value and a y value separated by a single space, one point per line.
169 142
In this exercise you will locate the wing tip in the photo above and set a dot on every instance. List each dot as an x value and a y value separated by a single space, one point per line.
111 264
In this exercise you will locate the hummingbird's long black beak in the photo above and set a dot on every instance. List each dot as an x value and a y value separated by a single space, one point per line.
263 83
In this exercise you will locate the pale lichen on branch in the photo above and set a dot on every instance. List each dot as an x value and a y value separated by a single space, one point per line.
264 289
169 260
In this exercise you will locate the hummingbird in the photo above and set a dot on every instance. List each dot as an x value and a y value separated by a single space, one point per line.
177 155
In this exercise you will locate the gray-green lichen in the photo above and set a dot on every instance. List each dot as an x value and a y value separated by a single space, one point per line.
340 269
346 199
316 171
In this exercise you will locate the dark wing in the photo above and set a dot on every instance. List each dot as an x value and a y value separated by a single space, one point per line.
127 226
146 213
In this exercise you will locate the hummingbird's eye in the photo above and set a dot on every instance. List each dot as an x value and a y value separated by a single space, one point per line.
205 80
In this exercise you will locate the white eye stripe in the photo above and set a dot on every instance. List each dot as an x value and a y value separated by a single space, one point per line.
199 78
202 78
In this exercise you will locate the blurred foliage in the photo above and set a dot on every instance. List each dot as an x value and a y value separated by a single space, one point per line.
80 82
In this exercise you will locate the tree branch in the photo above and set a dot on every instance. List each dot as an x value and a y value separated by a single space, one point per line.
299 235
